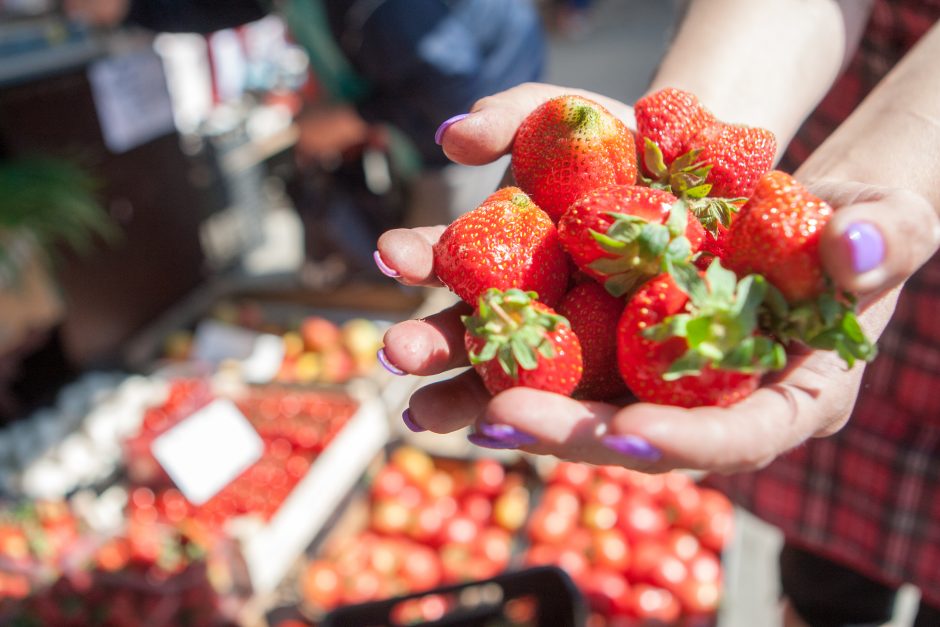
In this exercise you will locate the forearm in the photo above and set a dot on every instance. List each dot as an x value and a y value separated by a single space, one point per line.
764 63
893 138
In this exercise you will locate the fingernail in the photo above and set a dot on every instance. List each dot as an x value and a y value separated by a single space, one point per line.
384 267
632 446
383 359
410 423
500 436
866 246
439 134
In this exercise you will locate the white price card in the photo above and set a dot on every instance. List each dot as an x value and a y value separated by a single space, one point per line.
208 449
260 354
132 100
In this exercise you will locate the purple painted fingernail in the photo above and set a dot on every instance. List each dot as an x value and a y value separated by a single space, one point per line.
384 268
500 436
439 134
632 446
383 359
410 423
866 246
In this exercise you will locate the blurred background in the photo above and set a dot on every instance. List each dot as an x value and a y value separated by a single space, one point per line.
193 430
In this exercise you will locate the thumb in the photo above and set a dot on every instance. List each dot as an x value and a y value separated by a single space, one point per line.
486 133
878 241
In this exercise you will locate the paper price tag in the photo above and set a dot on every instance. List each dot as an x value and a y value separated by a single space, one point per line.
207 450
260 354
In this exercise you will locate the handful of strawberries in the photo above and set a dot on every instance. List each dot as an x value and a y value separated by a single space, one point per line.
673 265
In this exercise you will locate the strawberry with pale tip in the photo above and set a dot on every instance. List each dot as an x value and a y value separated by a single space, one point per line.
506 242
569 146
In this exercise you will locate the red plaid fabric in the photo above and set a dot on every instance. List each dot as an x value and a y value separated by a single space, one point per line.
869 496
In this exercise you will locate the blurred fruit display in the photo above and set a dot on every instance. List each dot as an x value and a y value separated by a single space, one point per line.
428 521
317 349
55 571
295 426
644 549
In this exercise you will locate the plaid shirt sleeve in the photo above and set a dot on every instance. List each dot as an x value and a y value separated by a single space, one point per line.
869 496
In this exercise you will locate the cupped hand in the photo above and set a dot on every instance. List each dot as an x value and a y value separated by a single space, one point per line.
812 397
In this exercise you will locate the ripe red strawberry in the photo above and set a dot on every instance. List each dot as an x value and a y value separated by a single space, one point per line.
777 235
514 340
738 156
621 235
569 146
670 118
712 164
593 315
505 242
695 344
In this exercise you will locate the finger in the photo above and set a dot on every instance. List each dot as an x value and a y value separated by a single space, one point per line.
408 256
428 346
656 438
446 406
814 398
875 244
486 133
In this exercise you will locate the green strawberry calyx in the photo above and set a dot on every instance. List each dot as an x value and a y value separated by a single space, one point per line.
827 322
686 178
515 331
720 325
638 249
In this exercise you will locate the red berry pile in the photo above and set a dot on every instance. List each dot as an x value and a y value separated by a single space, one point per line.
295 425
429 521
709 259
641 547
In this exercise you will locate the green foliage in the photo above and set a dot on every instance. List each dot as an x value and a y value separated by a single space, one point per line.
51 201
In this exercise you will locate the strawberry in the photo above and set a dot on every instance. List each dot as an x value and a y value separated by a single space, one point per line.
669 118
621 235
687 338
711 163
569 146
505 242
738 156
593 315
514 340
777 235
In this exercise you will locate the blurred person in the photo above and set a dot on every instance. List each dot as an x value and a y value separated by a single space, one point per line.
846 462
392 69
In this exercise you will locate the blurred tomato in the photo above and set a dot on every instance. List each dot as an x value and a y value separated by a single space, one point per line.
460 529
650 603
477 506
495 544
550 527
561 498
574 475
511 508
486 476
705 566
388 482
609 549
321 585
640 518
421 568
699 597
714 524
683 544
607 591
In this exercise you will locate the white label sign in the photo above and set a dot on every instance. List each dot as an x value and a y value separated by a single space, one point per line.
207 450
133 103
260 354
